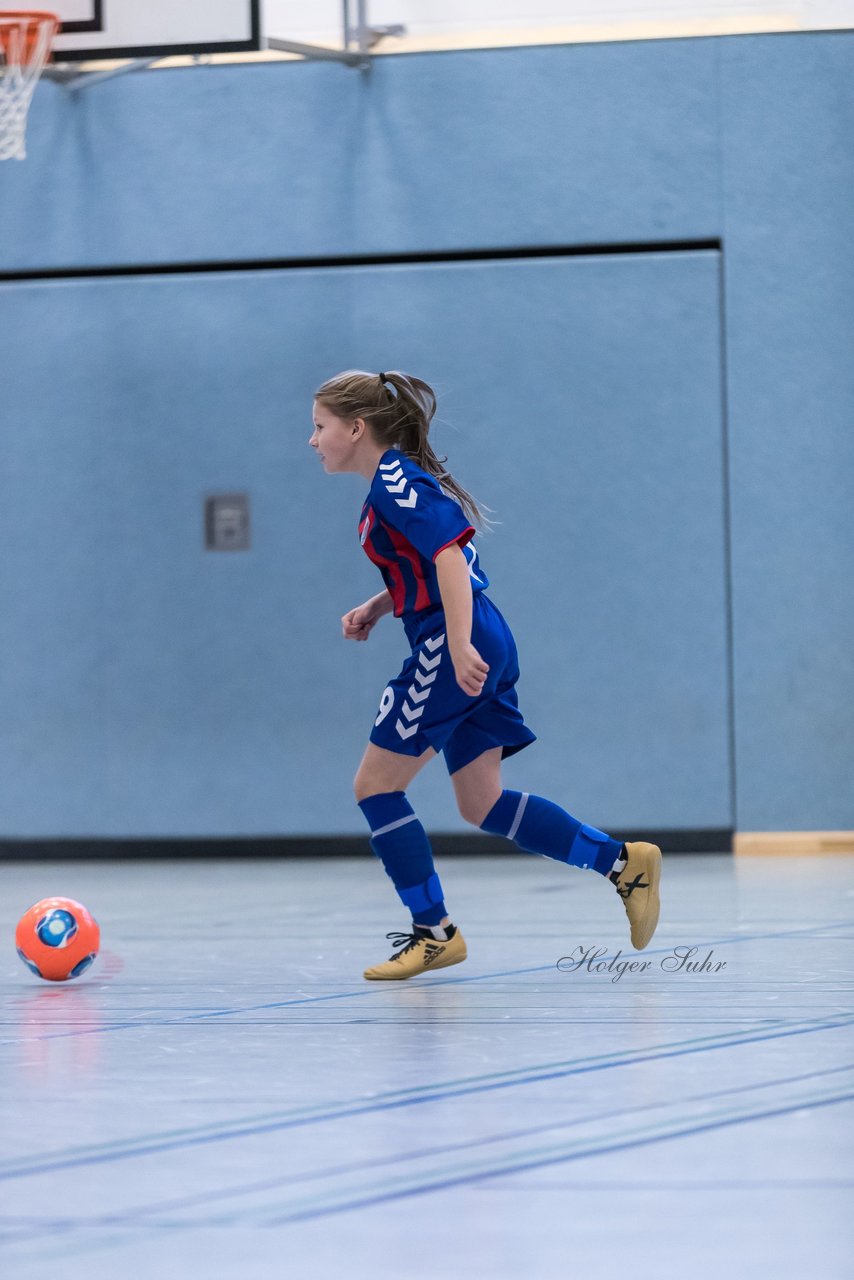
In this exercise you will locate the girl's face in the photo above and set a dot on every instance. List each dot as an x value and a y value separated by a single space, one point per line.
335 440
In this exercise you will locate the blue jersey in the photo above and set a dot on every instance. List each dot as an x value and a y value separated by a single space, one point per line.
406 521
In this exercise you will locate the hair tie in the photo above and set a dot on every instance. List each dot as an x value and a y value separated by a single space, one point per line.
381 377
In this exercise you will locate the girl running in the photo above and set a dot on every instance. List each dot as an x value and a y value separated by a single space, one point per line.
456 693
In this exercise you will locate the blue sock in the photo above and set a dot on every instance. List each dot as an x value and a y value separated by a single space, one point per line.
400 842
539 826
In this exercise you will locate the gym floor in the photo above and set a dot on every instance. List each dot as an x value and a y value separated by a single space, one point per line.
223 1095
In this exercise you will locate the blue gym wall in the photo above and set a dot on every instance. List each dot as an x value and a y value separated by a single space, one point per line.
665 438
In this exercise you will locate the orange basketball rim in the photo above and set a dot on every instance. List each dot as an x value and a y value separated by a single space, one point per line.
26 40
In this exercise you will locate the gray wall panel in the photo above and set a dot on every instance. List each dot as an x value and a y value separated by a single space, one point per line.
789 124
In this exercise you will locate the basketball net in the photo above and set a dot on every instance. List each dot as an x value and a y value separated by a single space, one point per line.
25 44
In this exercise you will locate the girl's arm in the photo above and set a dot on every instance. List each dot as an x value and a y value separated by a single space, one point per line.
357 624
452 570
382 603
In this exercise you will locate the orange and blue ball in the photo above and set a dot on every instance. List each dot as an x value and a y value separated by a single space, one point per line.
57 939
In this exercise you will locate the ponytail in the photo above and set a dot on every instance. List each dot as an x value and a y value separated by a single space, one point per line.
399 409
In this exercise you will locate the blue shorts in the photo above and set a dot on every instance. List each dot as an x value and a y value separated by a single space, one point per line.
425 707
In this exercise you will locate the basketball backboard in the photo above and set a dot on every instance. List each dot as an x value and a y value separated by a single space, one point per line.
107 29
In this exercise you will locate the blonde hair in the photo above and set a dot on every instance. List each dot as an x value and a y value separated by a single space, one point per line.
398 409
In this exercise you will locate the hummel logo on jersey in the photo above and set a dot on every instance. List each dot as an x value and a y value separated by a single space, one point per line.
471 548
395 481
431 953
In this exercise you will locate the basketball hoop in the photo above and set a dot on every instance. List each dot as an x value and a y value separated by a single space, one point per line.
25 44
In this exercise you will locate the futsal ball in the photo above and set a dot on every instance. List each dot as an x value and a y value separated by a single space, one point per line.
58 939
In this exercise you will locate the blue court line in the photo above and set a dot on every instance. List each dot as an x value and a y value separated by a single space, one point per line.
425 1095
523 1165
444 1184
137 1215
371 991
316 1113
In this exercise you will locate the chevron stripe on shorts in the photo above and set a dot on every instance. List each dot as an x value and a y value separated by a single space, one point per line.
421 688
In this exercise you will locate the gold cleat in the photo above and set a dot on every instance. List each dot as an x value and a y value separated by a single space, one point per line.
419 953
637 885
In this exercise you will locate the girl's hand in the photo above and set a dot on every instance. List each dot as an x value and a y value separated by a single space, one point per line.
359 622
470 669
